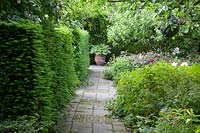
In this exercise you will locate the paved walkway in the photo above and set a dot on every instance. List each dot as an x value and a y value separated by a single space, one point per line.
86 113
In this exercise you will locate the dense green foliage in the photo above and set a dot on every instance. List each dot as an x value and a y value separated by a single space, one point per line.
88 15
135 33
76 12
60 54
43 11
183 121
141 26
133 25
97 28
146 91
37 76
25 75
117 66
81 52
96 24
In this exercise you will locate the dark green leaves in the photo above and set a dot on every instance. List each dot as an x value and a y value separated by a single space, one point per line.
37 75
146 91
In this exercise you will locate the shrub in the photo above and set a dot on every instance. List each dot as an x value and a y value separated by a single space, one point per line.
60 55
116 66
147 27
37 76
145 91
81 52
108 73
148 58
27 124
135 33
25 79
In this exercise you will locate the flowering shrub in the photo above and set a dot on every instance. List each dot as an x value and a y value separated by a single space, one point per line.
151 57
172 57
147 58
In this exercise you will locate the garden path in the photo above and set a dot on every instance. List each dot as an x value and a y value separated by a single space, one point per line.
86 113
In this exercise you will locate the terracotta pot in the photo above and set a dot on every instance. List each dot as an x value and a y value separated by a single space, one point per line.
100 59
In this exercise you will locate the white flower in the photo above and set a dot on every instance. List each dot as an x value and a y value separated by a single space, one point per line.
140 56
184 64
122 52
176 51
174 64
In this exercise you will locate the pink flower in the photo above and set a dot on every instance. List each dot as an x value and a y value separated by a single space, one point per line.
156 55
149 53
165 58
151 60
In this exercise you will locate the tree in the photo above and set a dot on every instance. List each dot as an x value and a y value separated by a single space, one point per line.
37 10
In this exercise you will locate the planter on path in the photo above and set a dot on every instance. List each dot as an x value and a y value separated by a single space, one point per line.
100 59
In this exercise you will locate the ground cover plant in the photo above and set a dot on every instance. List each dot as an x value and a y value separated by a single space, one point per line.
177 120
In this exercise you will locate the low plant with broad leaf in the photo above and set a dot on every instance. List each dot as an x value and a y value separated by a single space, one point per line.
144 92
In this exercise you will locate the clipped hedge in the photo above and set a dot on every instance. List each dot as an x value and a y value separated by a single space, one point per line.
60 55
37 76
143 93
81 52
25 76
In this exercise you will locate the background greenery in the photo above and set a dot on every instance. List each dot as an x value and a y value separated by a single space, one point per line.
139 26
81 52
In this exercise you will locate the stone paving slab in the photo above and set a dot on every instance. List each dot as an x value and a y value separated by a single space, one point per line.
86 112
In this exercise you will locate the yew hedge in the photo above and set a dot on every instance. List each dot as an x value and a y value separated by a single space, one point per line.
37 75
